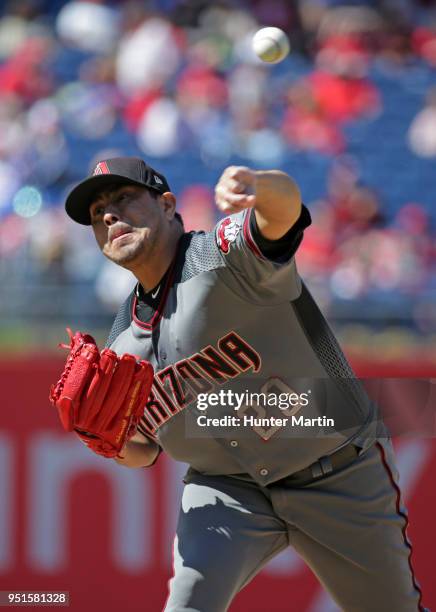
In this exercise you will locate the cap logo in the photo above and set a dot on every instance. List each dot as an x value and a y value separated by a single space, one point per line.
157 180
101 168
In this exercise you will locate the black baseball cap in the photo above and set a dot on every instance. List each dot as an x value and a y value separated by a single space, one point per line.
121 170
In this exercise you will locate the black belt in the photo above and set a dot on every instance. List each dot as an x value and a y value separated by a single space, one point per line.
323 467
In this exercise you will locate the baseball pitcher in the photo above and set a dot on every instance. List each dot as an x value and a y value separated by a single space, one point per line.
223 316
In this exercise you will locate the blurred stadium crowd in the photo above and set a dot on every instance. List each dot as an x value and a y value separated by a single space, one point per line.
351 114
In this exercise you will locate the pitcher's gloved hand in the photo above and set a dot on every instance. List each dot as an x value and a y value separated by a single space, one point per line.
101 396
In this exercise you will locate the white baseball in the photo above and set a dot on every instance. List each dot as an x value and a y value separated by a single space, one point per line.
271 45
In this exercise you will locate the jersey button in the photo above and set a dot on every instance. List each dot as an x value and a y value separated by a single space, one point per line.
263 472
233 443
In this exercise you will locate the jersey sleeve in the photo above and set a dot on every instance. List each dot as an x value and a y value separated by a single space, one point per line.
121 321
255 267
283 249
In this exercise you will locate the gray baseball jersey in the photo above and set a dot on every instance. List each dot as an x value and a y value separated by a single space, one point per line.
227 316
232 313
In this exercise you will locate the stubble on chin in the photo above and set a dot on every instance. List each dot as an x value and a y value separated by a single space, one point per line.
128 254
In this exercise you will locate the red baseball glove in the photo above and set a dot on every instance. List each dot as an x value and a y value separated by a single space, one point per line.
101 396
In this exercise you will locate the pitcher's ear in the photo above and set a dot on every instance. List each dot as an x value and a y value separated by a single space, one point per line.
168 201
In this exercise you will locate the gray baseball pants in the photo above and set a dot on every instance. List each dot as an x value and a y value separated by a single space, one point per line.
349 527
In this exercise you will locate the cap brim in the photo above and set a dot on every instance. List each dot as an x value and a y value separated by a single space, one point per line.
80 198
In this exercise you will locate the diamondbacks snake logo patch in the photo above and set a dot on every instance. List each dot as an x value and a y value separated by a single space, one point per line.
227 233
